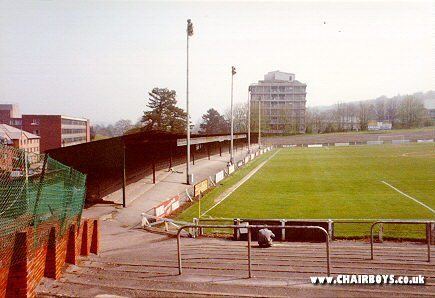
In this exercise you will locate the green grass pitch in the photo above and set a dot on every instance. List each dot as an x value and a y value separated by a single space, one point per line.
336 183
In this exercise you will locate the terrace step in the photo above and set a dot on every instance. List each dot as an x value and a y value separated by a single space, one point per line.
217 267
94 282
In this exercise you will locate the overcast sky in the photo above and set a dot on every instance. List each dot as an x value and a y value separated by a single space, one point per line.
98 59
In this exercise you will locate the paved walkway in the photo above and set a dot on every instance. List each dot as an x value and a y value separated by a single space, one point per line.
142 195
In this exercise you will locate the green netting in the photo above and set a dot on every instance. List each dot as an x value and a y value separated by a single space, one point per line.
39 192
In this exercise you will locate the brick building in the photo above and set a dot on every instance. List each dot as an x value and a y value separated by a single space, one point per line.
57 130
20 139
14 137
54 130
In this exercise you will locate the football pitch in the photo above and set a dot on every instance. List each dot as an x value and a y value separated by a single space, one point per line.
355 182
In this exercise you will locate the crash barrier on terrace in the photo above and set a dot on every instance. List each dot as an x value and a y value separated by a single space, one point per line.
356 143
252 230
172 204
249 229
41 201
113 163
277 227
429 226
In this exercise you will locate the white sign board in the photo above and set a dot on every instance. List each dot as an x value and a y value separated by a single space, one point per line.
315 145
231 169
160 211
219 176
341 144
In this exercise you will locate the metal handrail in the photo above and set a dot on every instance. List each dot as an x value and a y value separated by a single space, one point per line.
249 227
339 220
415 222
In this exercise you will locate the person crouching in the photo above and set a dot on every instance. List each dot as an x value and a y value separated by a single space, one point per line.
265 238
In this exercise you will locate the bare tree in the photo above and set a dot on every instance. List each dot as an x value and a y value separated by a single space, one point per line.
411 112
240 114
363 114
380 108
121 127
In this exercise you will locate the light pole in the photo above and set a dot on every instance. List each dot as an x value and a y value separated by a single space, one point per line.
249 120
259 123
26 172
189 32
233 72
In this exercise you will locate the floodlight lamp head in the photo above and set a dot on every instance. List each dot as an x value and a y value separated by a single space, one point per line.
189 27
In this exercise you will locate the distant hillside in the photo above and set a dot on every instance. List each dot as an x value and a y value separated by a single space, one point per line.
428 99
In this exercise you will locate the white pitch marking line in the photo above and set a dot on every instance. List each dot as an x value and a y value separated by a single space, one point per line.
408 196
242 181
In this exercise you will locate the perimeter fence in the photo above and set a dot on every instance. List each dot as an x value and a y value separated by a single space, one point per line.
36 191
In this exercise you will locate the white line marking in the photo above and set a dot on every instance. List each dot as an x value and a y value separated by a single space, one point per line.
238 184
408 196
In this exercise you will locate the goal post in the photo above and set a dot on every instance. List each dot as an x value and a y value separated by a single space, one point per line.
392 138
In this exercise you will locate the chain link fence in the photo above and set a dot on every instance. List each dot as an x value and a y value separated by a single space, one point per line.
36 191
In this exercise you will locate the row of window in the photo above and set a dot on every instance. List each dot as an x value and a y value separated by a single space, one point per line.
73 140
272 89
73 130
29 141
15 122
32 150
73 122
267 97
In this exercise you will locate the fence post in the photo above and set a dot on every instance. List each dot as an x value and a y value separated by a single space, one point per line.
381 233
154 171
330 229
193 155
236 230
432 228
170 156
428 239
124 178
68 200
283 229
41 182
249 251
195 233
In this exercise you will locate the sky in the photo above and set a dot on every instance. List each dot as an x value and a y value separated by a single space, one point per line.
98 59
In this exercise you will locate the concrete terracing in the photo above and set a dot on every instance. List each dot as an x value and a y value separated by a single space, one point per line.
138 263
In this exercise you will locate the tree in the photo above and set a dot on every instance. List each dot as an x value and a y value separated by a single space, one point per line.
164 114
101 130
363 114
213 122
392 110
122 126
240 114
411 112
